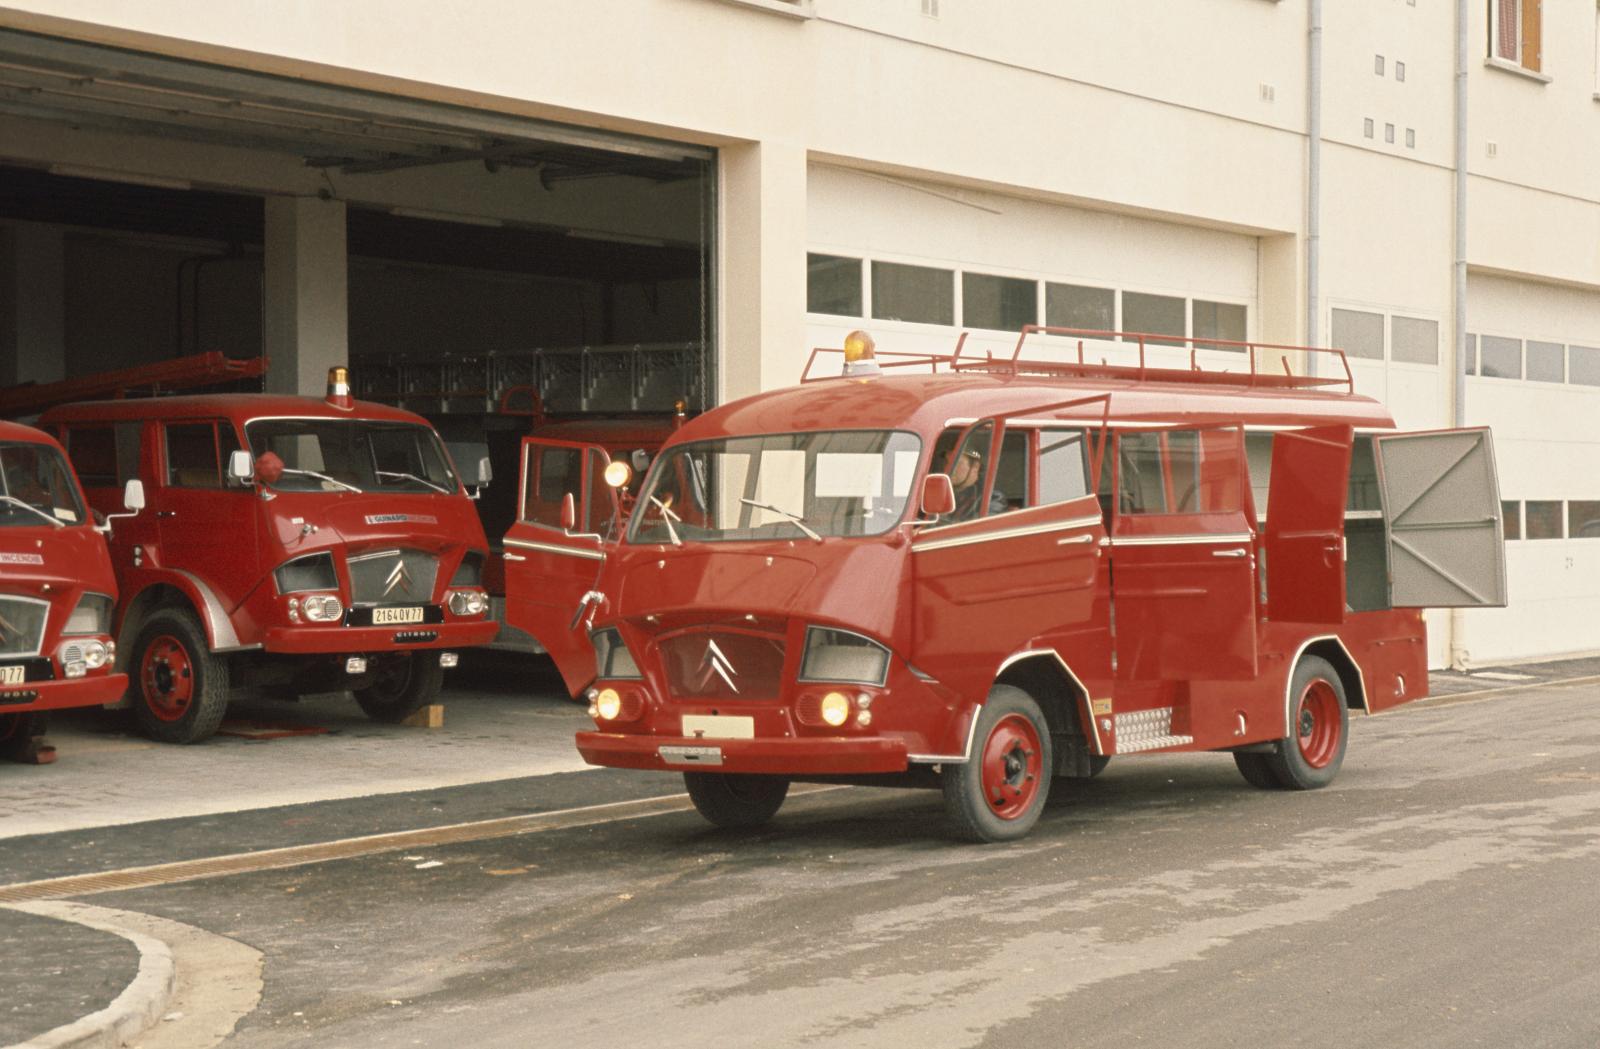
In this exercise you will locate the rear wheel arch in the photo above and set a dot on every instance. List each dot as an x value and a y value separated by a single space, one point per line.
1333 651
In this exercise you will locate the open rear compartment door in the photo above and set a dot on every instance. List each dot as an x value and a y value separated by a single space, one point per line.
1441 512
1305 568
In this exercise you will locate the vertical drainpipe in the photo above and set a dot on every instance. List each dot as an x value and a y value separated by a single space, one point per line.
1313 175
1458 412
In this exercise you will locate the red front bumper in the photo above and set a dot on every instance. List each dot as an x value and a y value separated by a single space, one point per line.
821 756
63 694
314 640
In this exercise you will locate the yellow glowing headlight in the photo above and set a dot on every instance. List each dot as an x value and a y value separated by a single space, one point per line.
836 708
858 346
618 474
608 704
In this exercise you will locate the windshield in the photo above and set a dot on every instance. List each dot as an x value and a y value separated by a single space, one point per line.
36 487
338 455
778 486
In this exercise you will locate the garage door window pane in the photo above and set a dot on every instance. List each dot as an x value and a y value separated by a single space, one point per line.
1511 514
833 285
1358 333
1544 519
1546 361
1219 320
1002 303
1500 358
1413 340
913 293
1583 519
1583 363
1153 315
1077 306
1472 355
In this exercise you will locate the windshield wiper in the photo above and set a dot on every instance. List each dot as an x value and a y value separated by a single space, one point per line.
14 501
666 518
414 477
324 477
797 520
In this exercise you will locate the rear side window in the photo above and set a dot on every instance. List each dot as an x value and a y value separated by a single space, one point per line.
104 456
197 453
1179 472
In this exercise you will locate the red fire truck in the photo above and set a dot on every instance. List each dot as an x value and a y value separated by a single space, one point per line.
1011 570
289 545
56 595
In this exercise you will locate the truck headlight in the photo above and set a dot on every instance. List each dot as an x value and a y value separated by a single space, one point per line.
838 655
321 608
91 654
836 708
92 616
468 602
611 657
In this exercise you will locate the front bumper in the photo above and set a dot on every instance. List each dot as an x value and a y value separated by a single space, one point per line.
817 756
338 640
63 694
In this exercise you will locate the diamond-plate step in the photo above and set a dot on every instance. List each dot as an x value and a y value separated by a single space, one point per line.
1147 730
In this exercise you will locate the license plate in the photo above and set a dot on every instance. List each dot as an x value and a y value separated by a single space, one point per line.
13 675
386 616
691 755
714 726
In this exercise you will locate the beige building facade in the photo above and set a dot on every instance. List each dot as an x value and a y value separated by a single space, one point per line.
918 168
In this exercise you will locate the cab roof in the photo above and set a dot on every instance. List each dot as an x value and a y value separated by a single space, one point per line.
239 407
10 431
927 403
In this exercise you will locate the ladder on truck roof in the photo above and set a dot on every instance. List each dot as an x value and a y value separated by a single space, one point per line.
180 373
1211 369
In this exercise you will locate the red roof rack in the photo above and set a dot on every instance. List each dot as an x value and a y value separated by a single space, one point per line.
201 369
1198 371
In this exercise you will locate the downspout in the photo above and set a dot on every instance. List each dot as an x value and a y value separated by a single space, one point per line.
1458 413
1313 177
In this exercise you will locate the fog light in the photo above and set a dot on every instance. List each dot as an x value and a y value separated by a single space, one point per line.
355 665
468 602
835 708
76 668
321 608
608 704
864 718
449 659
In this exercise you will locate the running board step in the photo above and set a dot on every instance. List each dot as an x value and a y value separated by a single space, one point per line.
1147 730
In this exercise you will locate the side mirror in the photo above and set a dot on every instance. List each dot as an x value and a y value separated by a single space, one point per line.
241 467
569 513
485 472
133 496
938 495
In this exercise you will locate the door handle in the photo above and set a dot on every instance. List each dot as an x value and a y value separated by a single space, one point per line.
1237 551
514 557
1074 539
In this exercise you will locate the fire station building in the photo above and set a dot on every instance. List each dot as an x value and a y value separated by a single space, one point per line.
623 203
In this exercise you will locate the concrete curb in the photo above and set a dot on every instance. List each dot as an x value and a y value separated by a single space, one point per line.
139 1006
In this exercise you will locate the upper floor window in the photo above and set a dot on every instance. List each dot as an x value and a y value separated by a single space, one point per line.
1514 32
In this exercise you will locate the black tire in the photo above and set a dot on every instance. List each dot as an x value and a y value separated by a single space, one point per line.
998 793
1256 771
401 686
178 686
733 800
17 732
1319 727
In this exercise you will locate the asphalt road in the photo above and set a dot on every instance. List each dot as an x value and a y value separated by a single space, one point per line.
1444 892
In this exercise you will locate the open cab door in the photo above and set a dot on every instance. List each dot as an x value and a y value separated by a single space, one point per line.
550 568
1441 512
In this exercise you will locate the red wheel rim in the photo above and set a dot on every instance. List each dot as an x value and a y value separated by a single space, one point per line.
166 677
1318 723
1011 767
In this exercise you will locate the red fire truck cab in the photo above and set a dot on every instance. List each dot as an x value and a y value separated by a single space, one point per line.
288 545
1008 571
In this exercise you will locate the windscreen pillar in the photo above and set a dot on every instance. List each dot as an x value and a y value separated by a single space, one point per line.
307 322
32 303
762 299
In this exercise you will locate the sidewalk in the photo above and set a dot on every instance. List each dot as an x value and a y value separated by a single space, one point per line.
56 972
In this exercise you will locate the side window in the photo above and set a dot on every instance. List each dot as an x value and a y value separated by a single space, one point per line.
104 456
1179 472
552 473
1063 466
1013 488
1141 484
192 456
1258 453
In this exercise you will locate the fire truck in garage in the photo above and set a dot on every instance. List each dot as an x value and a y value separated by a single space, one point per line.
288 545
57 591
1014 569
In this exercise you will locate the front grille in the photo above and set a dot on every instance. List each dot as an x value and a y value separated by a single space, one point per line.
22 625
723 664
392 577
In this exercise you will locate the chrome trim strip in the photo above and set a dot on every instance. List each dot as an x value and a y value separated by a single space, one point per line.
1180 540
1009 533
553 548
223 637
1288 684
